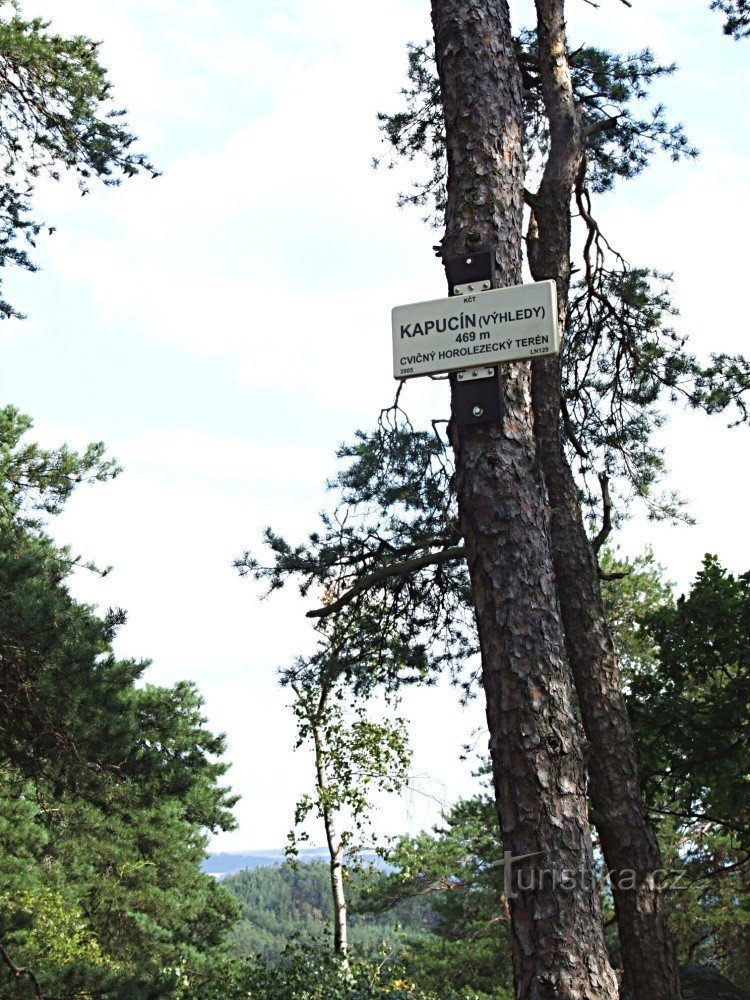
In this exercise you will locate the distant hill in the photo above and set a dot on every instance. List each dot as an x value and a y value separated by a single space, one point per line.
226 863
279 903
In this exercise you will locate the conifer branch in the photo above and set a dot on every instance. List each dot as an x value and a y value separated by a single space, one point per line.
19 970
689 814
397 569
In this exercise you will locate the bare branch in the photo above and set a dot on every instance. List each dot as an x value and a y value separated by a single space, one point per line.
606 527
570 431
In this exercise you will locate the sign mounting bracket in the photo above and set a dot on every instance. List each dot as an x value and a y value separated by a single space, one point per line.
476 394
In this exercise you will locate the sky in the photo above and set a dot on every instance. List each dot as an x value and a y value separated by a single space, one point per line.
225 327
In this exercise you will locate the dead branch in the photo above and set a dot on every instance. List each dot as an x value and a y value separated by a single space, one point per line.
570 431
606 527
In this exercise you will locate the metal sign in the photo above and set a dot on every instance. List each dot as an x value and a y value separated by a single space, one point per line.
475 330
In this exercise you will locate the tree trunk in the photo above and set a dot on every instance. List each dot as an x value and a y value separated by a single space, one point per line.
340 942
628 843
558 941
335 852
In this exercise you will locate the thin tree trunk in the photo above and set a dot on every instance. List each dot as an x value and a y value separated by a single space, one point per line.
558 941
335 852
628 843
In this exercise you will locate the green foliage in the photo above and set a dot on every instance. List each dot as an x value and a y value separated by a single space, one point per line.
107 785
622 363
387 562
688 690
38 479
687 677
690 708
608 87
58 934
293 902
302 974
355 754
392 547
73 715
709 895
723 384
418 132
56 115
632 590
619 142
621 359
458 868
687 672
279 904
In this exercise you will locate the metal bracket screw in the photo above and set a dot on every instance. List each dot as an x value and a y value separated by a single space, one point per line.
477 411
470 287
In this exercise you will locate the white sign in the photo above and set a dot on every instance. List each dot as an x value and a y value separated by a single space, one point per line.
477 330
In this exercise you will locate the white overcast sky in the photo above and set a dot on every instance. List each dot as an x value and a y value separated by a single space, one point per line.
223 328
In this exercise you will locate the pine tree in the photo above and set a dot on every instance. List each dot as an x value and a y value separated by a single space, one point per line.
56 117
533 572
108 787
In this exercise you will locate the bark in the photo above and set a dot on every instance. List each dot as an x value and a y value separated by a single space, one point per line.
627 841
557 936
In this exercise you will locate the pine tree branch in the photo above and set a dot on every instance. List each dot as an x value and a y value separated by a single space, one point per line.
727 824
612 576
19 970
606 527
721 871
398 569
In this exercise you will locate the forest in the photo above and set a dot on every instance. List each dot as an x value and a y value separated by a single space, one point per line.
482 555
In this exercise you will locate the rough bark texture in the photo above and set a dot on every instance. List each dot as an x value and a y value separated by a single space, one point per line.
628 843
558 944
